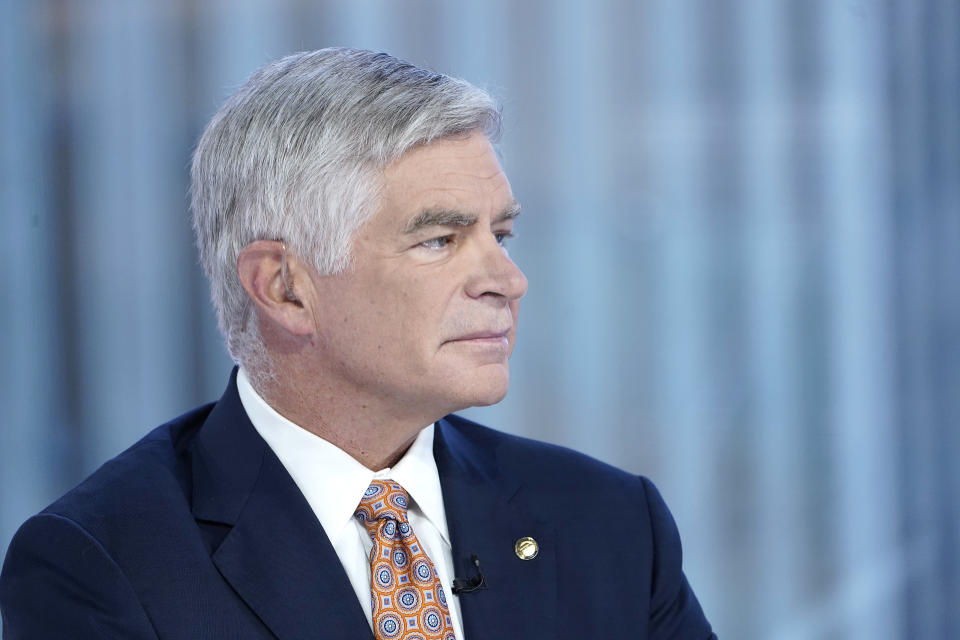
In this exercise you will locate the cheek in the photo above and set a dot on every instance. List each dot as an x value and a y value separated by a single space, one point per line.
428 298
411 310
407 312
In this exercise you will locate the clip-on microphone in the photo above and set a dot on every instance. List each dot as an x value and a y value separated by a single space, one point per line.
469 585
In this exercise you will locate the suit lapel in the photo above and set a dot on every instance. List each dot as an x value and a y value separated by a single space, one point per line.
276 556
485 517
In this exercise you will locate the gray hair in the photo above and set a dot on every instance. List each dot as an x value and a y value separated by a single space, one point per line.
298 154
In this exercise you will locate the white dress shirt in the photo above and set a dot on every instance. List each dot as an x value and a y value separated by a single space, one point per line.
333 482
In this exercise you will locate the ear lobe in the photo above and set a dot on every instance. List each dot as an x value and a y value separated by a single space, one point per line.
271 277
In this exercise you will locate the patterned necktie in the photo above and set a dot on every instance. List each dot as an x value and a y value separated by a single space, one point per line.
408 600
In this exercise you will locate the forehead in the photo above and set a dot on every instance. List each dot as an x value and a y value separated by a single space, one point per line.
453 173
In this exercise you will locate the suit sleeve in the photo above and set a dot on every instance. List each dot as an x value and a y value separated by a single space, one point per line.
59 582
675 613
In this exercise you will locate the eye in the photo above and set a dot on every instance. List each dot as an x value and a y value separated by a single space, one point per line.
502 237
437 243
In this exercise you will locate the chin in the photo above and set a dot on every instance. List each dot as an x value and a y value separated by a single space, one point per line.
484 391
486 401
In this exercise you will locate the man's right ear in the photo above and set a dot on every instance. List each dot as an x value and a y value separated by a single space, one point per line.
271 276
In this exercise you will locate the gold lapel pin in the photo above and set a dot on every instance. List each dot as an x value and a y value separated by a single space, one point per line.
526 548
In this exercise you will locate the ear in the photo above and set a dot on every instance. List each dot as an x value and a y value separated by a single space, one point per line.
273 286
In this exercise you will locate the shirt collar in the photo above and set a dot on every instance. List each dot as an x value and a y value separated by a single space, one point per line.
317 466
417 472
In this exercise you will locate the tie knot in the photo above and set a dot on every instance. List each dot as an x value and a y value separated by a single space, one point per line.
383 501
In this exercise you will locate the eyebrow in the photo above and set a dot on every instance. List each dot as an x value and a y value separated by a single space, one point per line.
454 218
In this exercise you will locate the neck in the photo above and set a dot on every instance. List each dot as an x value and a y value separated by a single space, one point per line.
374 433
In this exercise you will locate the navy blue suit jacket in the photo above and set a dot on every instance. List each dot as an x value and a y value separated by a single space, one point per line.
197 531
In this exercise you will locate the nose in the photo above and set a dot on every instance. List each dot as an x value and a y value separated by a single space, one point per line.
496 275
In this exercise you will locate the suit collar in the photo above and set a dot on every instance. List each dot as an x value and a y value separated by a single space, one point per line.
276 554
226 457
487 513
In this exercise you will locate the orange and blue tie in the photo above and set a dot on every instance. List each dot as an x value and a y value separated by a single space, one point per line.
408 599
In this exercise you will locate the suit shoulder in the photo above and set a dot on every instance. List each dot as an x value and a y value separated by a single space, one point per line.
536 459
144 477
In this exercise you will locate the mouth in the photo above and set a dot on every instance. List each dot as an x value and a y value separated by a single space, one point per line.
483 336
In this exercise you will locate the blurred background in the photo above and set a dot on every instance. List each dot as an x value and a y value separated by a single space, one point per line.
741 231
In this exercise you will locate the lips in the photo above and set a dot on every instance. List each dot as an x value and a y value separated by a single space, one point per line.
481 335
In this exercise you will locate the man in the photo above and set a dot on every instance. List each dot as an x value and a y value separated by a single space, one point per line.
351 216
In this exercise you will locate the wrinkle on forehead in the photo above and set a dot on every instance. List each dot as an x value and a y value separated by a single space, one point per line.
474 147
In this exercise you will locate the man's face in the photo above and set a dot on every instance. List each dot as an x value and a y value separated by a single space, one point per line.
427 315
